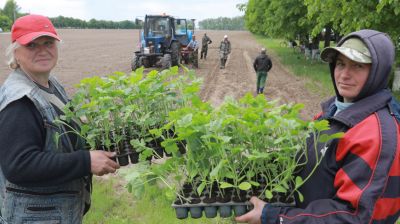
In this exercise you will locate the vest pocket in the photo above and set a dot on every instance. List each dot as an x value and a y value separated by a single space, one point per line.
42 214
39 208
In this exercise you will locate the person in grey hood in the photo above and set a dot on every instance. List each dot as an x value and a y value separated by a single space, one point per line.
358 177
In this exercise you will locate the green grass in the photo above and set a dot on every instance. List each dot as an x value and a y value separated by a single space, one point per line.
112 204
317 73
397 96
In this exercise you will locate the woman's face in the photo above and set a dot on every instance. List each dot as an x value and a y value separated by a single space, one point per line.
38 57
350 77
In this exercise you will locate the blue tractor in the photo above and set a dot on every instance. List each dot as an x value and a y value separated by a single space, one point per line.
161 41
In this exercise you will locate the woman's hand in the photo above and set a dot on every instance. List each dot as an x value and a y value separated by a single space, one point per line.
253 216
101 162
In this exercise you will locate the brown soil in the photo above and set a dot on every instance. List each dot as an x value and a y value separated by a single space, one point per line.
85 53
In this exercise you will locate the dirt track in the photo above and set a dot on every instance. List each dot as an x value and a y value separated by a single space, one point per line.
85 53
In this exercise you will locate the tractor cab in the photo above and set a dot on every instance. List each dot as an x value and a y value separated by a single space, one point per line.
182 33
156 34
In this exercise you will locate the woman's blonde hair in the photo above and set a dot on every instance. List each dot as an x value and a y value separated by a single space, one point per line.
12 62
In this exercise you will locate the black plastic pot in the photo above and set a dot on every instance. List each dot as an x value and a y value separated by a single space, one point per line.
181 213
240 210
123 160
195 212
225 211
209 210
134 156
122 154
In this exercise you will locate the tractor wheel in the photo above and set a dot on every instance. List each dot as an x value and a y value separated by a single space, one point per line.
175 53
166 61
136 63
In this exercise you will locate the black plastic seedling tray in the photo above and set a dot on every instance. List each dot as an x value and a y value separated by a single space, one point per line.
211 210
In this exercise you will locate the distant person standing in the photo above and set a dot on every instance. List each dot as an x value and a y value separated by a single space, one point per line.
224 51
204 46
262 65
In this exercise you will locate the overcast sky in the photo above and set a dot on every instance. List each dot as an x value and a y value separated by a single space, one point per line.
118 10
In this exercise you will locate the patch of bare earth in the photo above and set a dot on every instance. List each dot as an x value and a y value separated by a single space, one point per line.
85 53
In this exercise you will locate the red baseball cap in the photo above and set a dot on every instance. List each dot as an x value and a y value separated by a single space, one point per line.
27 28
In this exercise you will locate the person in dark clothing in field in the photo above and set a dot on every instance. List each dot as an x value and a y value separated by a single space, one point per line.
224 51
262 65
41 180
358 179
205 41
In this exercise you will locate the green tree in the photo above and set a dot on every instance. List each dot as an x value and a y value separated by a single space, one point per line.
278 18
254 18
341 14
11 10
68 22
5 22
289 18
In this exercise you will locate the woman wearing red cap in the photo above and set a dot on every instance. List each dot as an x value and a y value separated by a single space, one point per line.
41 180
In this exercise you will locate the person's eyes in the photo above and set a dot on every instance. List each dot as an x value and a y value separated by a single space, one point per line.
31 45
49 43
339 64
358 66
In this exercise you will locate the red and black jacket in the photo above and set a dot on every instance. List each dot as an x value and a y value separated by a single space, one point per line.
358 180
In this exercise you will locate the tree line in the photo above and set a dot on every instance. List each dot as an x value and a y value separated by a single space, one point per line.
327 19
68 22
223 23
11 11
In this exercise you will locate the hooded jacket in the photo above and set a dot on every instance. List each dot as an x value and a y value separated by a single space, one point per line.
358 179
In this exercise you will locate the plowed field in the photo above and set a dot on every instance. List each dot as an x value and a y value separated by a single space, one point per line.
85 53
